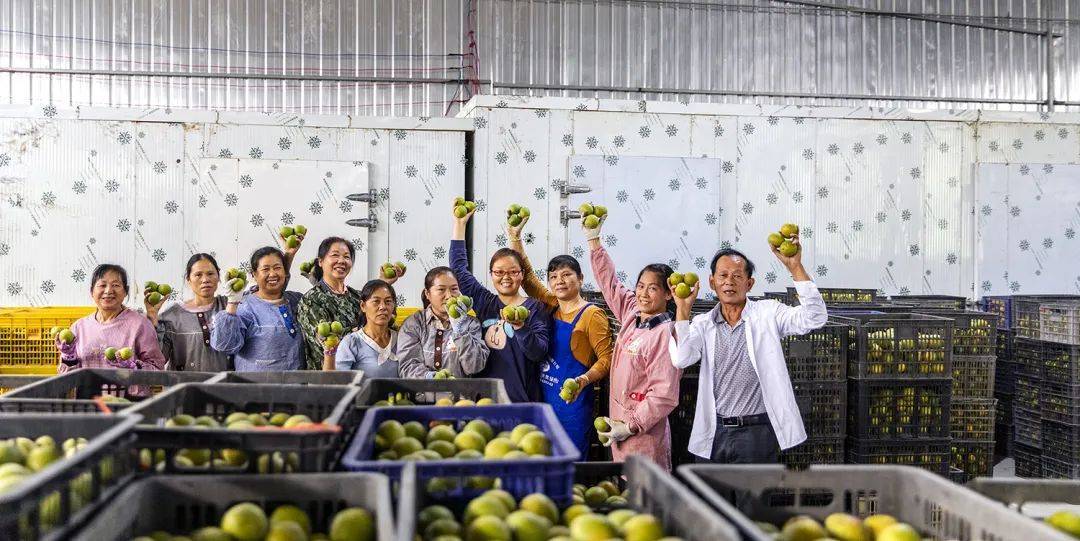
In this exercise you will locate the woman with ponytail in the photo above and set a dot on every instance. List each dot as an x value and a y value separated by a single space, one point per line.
433 339
331 299
372 346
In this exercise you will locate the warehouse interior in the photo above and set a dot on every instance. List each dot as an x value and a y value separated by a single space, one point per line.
927 155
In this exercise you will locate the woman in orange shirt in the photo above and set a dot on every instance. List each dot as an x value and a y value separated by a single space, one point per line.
581 341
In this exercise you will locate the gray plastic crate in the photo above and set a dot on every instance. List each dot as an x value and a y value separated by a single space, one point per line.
1035 498
9 383
179 504
293 377
425 392
652 490
316 450
930 503
48 494
74 392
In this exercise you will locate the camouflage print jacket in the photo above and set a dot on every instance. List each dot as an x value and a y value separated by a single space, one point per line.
322 304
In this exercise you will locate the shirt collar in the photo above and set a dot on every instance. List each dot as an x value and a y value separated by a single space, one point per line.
654 321
717 317
432 319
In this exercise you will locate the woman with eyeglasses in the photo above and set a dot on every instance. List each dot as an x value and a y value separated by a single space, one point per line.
259 329
644 383
517 349
581 341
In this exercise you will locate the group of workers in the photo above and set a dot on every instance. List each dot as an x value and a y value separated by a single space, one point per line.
745 411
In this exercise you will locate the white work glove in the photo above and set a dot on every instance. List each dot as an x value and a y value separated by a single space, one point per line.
593 233
458 324
233 297
619 432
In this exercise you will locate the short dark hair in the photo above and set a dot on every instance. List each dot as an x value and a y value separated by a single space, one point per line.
324 248
368 290
267 251
197 258
429 280
564 262
506 252
100 270
733 253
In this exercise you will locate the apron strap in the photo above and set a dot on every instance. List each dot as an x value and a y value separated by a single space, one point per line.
580 313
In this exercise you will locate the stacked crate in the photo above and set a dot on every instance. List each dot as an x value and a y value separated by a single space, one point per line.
1027 416
1059 407
817 365
899 389
973 407
1004 392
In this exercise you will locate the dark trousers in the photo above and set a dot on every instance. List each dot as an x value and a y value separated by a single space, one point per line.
750 444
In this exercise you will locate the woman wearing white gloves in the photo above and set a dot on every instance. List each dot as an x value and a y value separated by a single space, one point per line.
644 383
432 340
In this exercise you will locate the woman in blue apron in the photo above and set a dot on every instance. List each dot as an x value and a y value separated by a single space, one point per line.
581 344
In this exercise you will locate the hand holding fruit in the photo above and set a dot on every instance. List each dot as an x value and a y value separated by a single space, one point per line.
785 244
306 269
154 295
329 333
457 308
463 210
571 388
235 281
292 236
592 218
516 218
515 315
617 431
121 357
684 290
65 342
390 272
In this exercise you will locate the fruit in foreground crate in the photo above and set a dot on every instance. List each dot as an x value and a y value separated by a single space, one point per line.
841 527
845 527
1066 521
248 521
475 440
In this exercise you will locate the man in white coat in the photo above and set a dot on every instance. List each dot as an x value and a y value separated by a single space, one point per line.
746 410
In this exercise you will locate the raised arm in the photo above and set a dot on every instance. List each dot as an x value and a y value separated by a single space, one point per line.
459 262
532 284
687 344
811 313
618 298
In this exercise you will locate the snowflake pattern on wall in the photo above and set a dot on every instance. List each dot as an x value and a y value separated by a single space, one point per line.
905 215
644 132
1024 245
78 275
648 194
671 130
915 173
410 171
674 184
1014 211
48 199
831 227
1048 243
881 217
231 200
857 225
501 157
540 193
951 258
699 262
858 148
710 219
747 207
345 206
797 197
578 252
314 141
224 153
943 223
579 171
315 207
748 129
14 288
822 270
158 255
591 142
160 167
5 248
255 153
1024 169
718 131
287 218
438 253
123 225
913 249
727 167
1048 168
881 139
567 140
257 220
622 196
358 244
48 286
611 160
822 192
807 154
611 240
618 141
701 183
500 240
78 187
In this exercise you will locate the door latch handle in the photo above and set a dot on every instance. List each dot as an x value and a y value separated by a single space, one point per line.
365 197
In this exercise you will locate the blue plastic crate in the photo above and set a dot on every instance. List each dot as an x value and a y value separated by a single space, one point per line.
552 475
1000 305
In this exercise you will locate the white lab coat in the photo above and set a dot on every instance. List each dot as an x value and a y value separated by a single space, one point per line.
765 323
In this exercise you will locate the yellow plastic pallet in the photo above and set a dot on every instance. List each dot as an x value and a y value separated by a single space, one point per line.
25 344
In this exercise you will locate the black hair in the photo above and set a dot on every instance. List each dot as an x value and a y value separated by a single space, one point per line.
665 272
99 273
324 248
263 252
429 280
367 291
197 258
564 262
733 253
506 252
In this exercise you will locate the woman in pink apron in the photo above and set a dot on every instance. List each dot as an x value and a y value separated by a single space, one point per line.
644 383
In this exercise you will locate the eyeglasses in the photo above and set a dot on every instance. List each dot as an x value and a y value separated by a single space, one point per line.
500 273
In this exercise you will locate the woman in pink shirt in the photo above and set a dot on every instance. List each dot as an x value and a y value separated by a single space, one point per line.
644 383
111 325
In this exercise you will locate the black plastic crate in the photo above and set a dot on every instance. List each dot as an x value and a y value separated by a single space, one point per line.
1029 357
1005 371
892 410
1056 469
179 504
828 450
53 502
1027 460
891 346
1006 343
930 455
91 390
972 419
823 406
1060 322
1060 362
946 302
842 294
973 458
1027 427
293 377
425 392
820 355
974 333
1028 391
683 414
1061 442
311 449
973 376
1060 402
1003 442
1026 316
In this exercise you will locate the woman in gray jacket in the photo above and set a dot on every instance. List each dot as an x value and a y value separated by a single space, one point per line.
430 340
184 327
